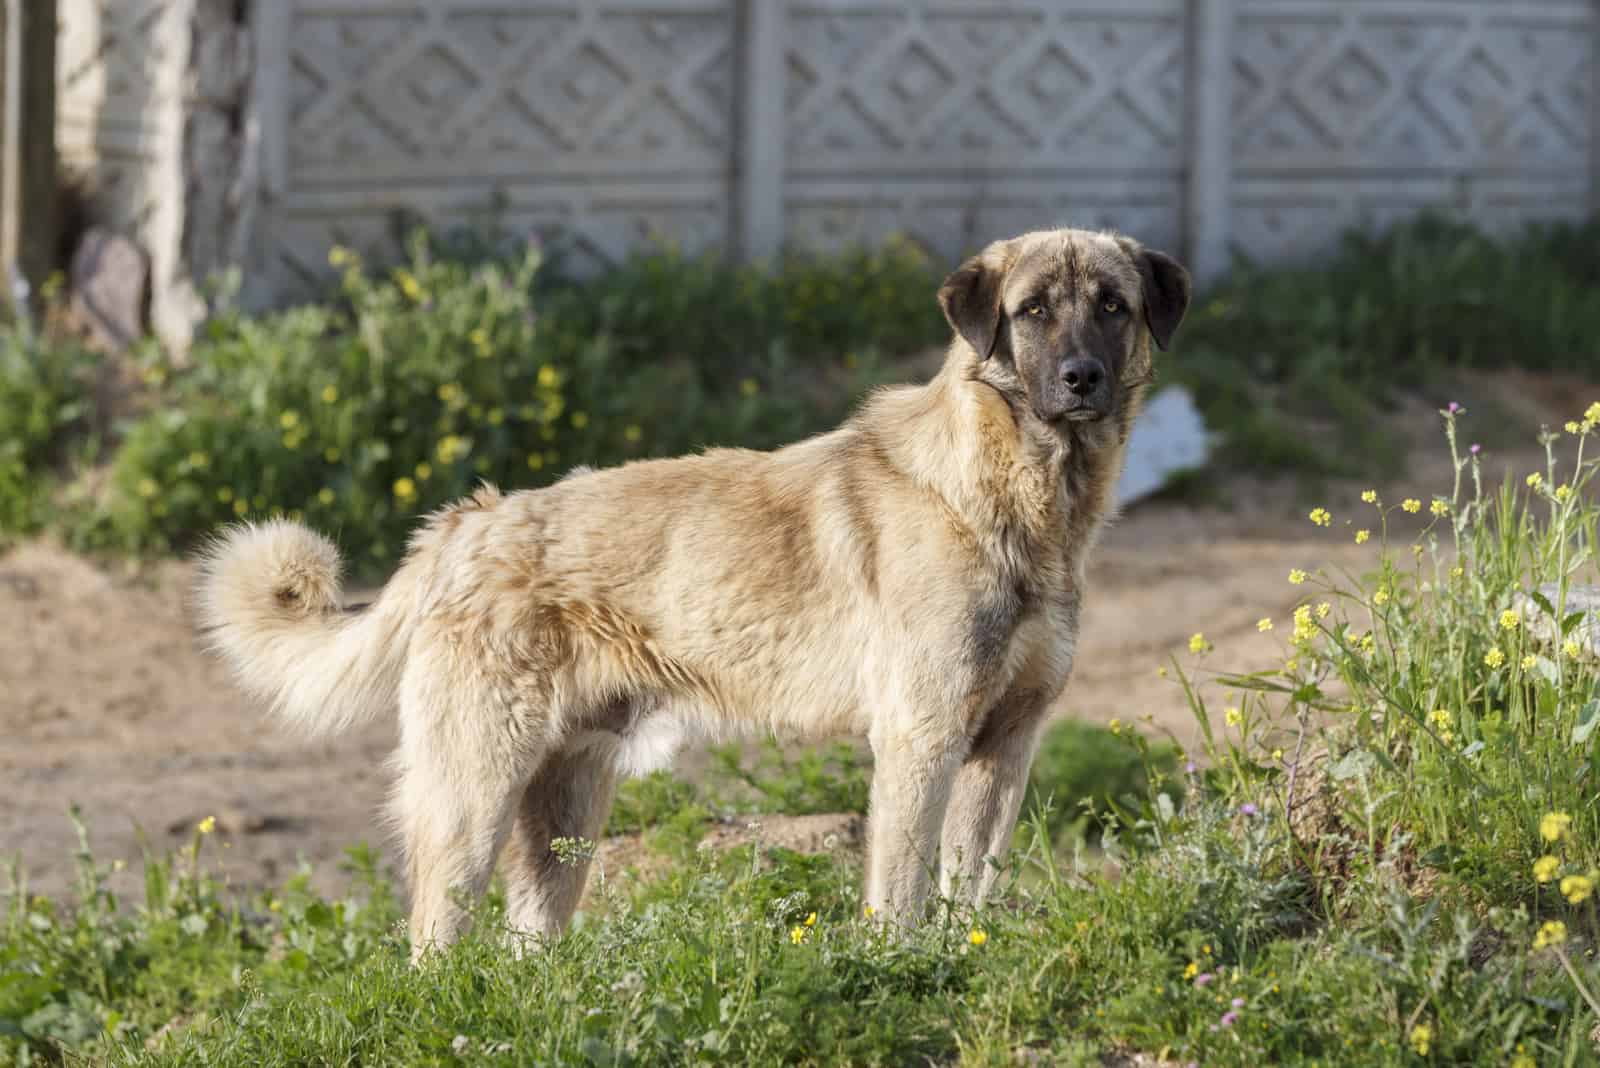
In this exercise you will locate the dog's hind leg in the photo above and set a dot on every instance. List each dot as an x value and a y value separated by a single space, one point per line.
569 797
454 800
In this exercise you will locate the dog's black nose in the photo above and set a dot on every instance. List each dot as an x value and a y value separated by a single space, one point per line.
1082 375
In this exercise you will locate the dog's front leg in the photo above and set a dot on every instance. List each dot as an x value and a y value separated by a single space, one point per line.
986 797
911 782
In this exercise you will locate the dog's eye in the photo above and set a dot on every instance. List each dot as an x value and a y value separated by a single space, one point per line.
1111 307
1034 308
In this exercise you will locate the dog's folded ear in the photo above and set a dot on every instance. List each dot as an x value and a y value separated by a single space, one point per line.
1167 289
970 298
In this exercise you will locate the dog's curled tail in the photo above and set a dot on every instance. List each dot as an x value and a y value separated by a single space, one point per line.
271 602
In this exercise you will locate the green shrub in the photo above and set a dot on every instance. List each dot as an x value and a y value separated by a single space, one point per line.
44 388
438 374
1084 774
1272 351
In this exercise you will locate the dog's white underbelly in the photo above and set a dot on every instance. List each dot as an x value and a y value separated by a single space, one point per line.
654 743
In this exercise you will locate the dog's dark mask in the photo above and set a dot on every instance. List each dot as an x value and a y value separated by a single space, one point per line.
1059 319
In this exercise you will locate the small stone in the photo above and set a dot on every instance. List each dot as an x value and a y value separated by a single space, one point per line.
108 277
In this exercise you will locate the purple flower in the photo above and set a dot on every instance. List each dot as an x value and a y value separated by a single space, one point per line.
1190 768
1237 1003
1454 409
1475 448
1203 978
1249 809
1229 1018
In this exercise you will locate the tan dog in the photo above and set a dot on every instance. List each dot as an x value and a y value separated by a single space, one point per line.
914 576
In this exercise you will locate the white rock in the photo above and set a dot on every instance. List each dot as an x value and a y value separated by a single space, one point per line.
1169 437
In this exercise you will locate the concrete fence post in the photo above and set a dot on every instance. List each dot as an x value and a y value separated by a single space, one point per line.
28 143
1209 149
1594 110
759 154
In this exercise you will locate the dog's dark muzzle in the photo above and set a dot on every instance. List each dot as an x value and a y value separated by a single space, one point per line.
1081 390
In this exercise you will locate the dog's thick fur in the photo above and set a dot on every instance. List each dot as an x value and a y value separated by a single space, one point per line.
914 576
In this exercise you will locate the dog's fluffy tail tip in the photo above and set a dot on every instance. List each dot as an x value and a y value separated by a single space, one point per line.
270 600
255 573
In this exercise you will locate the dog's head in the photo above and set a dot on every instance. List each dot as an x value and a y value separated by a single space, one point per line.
1061 320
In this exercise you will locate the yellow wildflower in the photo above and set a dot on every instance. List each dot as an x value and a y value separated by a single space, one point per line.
330 394
207 825
1323 609
199 460
1380 596
1551 934
1457 571
1591 414
1304 628
1368 645
147 487
1412 505
1570 648
1535 480
1439 507
1321 517
1198 643
810 921
496 416
978 937
424 471
405 489
1369 496
1191 971
1296 576
798 935
1421 1039
325 495
1563 491
1264 624
632 432
1522 1060
1115 726
339 256
1545 868
1362 536
1575 888
289 419
1530 662
868 911
1571 426
409 285
1440 717
1509 620
225 494
1553 826
1494 658
548 377
241 506
1232 716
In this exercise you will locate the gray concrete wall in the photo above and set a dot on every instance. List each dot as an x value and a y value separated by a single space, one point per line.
1205 126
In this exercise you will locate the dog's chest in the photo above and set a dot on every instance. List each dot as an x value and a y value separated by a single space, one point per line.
1016 622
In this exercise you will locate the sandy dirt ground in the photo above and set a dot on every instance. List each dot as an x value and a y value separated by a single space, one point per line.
108 702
